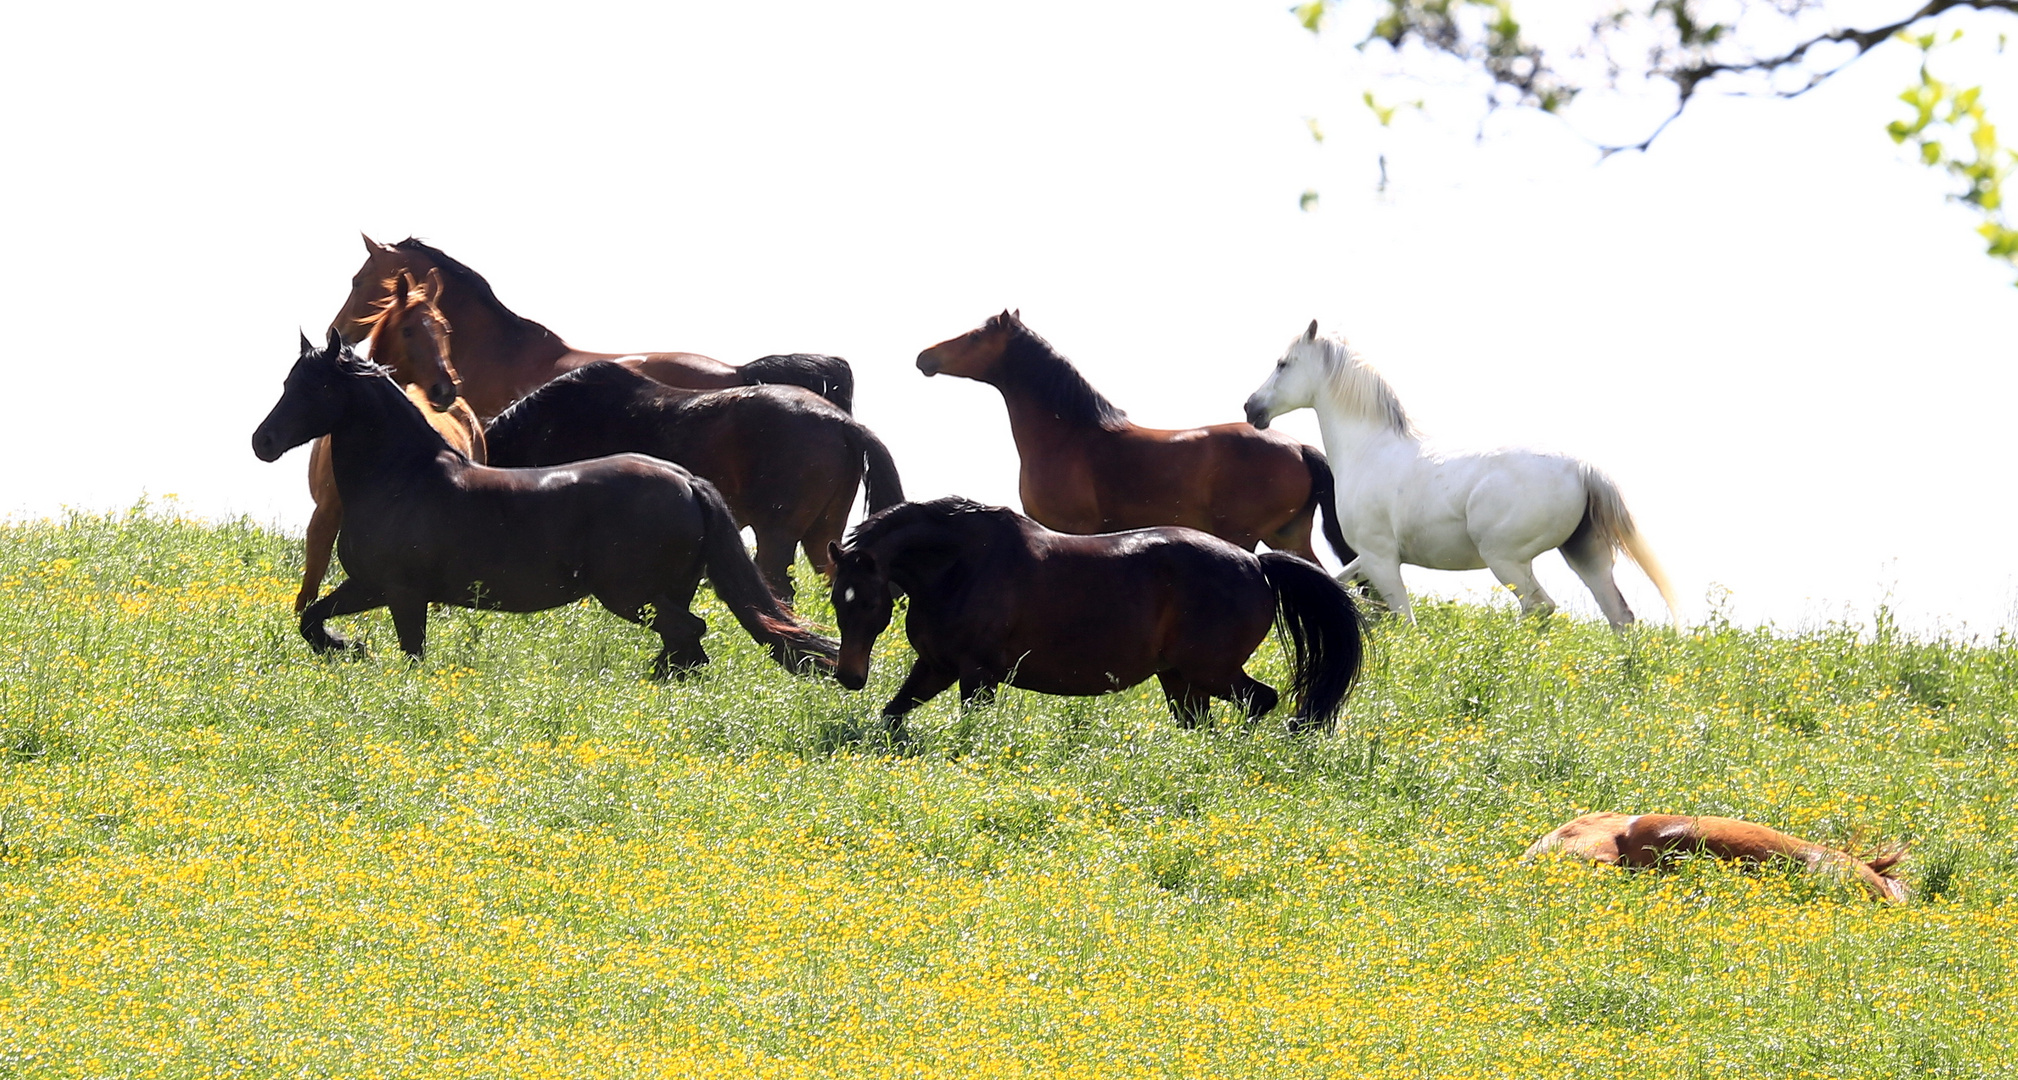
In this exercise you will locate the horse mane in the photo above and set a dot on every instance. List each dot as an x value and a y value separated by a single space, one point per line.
347 361
469 281
605 378
1358 388
1031 365
945 511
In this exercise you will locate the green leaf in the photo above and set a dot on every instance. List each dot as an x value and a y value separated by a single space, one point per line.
1307 201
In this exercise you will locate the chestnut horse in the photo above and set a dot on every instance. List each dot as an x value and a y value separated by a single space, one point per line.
787 460
409 336
1086 469
424 526
996 597
1657 839
503 356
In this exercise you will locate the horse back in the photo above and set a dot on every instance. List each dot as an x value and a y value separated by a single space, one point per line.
1231 480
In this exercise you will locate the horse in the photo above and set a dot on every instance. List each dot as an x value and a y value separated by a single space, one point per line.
786 459
998 598
1086 469
1642 840
503 356
426 525
410 336
1400 500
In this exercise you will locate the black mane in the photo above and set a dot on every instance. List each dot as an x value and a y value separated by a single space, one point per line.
943 511
606 386
1031 365
465 280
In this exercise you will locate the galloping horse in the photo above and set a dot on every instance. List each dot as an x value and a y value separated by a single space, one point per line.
787 460
410 337
425 525
1641 840
503 356
996 597
1400 501
1086 469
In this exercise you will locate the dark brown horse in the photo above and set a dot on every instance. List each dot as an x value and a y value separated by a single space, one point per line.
503 356
787 460
1086 469
409 337
423 525
996 597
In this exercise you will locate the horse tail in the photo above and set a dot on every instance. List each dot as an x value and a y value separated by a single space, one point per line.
1324 498
1318 623
1605 514
880 470
828 376
736 581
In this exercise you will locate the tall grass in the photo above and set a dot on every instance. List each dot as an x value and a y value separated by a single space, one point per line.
221 855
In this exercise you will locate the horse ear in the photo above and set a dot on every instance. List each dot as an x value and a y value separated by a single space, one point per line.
434 287
401 286
307 346
371 246
1017 314
1311 334
833 552
335 341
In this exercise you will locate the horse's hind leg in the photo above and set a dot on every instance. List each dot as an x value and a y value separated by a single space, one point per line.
1189 702
1591 557
348 598
1294 537
1256 697
775 548
409 619
670 616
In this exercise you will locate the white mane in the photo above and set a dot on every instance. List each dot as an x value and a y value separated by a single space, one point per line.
1357 388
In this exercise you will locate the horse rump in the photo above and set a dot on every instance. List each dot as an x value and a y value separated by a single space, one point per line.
1318 623
1324 502
737 582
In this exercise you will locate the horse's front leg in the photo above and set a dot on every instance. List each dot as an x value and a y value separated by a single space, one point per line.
924 683
977 688
348 598
1518 574
409 619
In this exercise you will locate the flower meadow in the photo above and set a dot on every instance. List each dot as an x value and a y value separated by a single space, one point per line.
223 856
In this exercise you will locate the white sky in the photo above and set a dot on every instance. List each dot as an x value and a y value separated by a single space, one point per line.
1771 329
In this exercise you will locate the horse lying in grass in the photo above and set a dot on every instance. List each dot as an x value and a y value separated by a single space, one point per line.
1087 469
1400 500
503 356
996 597
425 525
409 336
1657 839
787 460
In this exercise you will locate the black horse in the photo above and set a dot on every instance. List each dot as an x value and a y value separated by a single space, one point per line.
787 460
996 597
423 525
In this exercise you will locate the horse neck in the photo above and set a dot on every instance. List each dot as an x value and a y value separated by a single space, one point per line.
1047 397
489 334
379 435
1349 432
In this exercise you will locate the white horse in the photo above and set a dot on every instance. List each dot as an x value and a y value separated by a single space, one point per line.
1400 501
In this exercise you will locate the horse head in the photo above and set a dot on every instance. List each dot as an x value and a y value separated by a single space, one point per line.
974 354
410 335
311 401
862 607
1294 383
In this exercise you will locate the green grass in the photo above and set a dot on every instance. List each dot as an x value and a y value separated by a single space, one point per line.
221 855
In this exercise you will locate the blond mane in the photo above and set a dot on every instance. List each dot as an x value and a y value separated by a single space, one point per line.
1357 388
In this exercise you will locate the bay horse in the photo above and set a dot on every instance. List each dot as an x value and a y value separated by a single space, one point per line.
502 356
787 460
1401 500
423 524
1642 840
1086 469
410 337
998 598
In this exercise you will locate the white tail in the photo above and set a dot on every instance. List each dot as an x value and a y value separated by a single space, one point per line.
1613 523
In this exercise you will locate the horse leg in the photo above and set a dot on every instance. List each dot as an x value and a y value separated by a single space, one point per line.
1294 537
1591 558
348 598
977 690
774 561
1188 702
322 529
924 683
679 629
1385 577
1256 697
1519 575
409 620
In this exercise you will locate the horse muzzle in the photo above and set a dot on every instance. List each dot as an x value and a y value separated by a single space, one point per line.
1257 415
441 395
928 363
265 447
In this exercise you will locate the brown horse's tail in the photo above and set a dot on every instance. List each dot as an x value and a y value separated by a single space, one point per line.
737 582
885 489
1318 622
1324 500
828 376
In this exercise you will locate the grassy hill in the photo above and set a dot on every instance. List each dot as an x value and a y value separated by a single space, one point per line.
220 855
